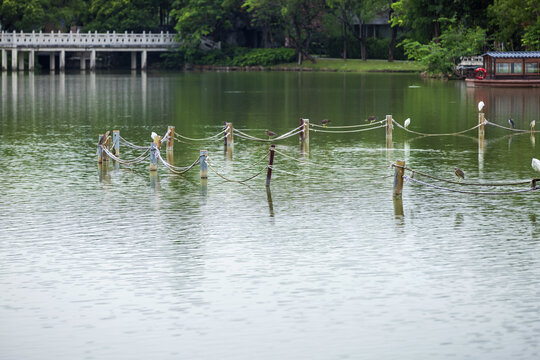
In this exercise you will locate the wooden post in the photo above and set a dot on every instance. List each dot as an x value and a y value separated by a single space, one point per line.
99 150
116 142
225 137
389 131
170 141
106 145
153 157
301 133
204 165
230 135
157 141
306 131
270 164
399 170
481 130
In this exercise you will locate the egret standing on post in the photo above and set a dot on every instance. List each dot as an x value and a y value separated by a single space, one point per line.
481 105
532 125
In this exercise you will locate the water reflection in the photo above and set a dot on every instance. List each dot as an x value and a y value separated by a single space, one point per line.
270 202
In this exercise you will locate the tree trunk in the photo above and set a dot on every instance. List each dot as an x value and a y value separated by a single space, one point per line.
392 45
363 41
344 42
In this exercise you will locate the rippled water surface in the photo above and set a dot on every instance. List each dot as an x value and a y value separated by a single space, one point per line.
112 262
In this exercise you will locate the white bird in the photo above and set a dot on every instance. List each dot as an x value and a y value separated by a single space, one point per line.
535 164
154 136
407 123
481 105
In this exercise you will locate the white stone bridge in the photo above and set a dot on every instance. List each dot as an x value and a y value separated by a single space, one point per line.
86 45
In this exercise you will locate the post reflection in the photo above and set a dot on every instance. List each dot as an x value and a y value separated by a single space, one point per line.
270 202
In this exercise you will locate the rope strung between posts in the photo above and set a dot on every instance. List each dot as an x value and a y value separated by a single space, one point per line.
445 134
175 169
307 162
273 167
348 126
136 160
133 146
407 178
213 137
348 131
232 180
511 183
288 134
166 136
257 162
511 129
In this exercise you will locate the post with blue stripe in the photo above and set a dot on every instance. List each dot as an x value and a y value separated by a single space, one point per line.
204 165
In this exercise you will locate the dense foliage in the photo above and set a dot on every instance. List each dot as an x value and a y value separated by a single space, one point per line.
434 32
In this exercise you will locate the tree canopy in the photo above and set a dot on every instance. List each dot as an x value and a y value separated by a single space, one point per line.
331 24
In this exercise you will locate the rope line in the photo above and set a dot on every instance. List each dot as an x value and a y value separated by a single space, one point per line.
444 134
512 183
348 126
407 178
136 160
232 180
175 169
348 131
213 137
281 137
131 145
510 129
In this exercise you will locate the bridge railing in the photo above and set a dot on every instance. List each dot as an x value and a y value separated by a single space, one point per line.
33 39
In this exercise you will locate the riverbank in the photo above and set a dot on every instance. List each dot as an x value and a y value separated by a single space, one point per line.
334 65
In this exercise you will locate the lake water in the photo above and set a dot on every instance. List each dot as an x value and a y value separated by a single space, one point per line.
116 263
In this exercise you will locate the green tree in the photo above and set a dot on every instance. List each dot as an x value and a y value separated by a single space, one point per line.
19 15
516 23
357 12
265 14
198 19
441 55
124 15
302 19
